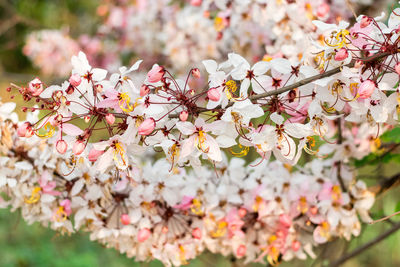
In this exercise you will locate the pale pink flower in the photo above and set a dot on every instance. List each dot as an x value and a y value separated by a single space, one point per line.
75 79
183 116
35 87
147 126
94 154
25 130
155 74
196 233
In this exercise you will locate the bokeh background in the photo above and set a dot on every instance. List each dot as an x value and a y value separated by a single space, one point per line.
34 245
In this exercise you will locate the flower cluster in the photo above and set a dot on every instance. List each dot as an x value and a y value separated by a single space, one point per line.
173 216
87 151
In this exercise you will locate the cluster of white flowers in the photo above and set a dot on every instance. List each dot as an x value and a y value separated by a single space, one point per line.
173 216
104 178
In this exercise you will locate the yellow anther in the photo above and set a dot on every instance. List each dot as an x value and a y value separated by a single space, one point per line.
336 193
338 39
60 215
219 24
243 151
49 131
124 100
221 229
302 206
182 255
120 155
196 207
35 196
201 139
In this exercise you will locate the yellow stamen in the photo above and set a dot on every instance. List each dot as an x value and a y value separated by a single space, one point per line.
49 131
243 152
60 215
124 100
221 229
119 151
182 256
196 207
35 196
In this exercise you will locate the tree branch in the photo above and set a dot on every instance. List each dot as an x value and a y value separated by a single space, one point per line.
366 246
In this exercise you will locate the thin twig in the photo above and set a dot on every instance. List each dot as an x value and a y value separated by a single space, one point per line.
385 218
366 246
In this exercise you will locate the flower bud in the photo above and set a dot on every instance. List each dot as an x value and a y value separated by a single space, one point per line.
147 127
35 87
61 146
25 130
79 147
155 74
196 233
183 115
110 118
241 251
196 73
285 220
213 94
143 234
242 212
342 54
125 219
323 10
296 245
94 154
313 210
195 2
365 21
366 89
144 90
397 68
75 79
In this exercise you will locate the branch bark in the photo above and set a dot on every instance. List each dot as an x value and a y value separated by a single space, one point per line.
366 246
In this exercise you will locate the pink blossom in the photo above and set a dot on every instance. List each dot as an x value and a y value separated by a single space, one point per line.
147 126
365 21
144 90
75 79
195 2
242 212
61 146
183 116
94 154
79 147
196 73
323 10
342 54
213 94
35 87
366 89
196 233
66 203
285 220
110 118
125 219
155 74
25 130
241 251
143 234
48 186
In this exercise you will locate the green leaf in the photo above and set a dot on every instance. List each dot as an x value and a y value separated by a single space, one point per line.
391 136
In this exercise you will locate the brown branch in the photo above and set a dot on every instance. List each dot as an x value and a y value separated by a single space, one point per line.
385 184
366 246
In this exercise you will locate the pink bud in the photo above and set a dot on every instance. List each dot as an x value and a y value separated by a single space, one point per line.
213 94
366 89
147 127
241 251
195 2
342 54
196 73
110 118
25 130
35 87
323 10
143 234
75 79
61 146
365 21
144 90
196 233
285 220
242 212
155 74
79 147
313 210
183 115
94 154
397 68
125 219
296 245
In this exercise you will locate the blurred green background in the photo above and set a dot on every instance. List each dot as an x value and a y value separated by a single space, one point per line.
33 245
